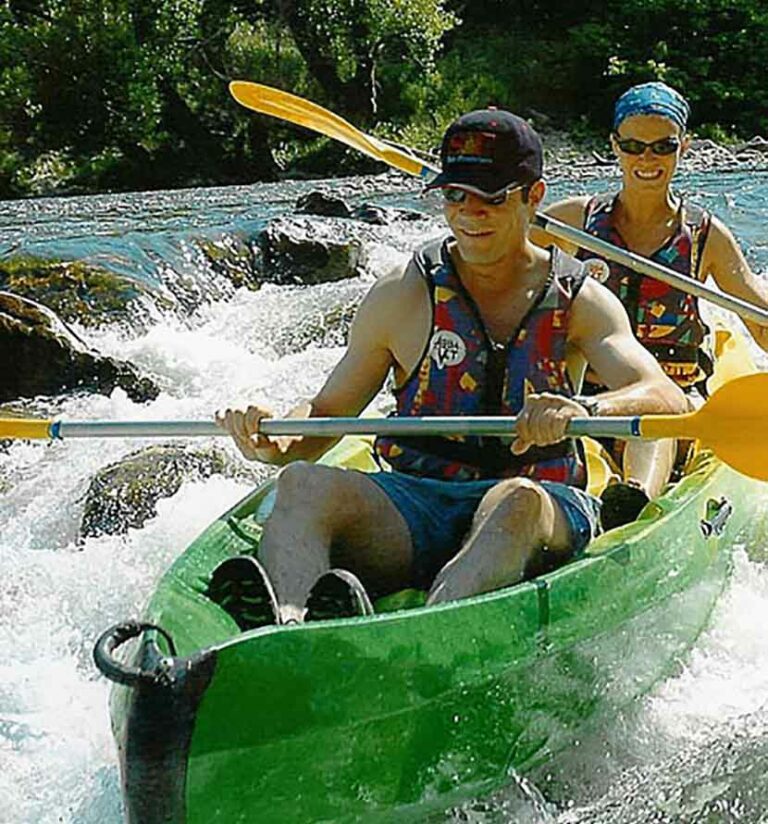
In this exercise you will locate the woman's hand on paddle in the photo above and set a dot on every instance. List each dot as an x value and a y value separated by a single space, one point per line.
543 420
243 426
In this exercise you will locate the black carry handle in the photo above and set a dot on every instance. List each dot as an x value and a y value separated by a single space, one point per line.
119 672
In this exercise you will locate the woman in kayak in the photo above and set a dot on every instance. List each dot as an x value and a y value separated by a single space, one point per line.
648 218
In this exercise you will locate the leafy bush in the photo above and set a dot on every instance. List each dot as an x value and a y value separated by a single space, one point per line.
115 94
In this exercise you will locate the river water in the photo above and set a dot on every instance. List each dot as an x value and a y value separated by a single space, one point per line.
696 749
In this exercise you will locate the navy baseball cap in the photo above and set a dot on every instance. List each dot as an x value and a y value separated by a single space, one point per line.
487 152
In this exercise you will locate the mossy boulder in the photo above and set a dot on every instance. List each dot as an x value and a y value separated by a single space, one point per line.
234 258
80 292
124 495
42 356
302 250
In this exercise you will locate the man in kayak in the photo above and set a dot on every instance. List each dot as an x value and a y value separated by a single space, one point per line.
648 138
483 322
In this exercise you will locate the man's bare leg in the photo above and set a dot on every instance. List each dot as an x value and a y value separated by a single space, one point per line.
514 520
319 507
649 464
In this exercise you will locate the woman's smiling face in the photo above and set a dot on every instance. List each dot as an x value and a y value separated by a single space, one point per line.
649 169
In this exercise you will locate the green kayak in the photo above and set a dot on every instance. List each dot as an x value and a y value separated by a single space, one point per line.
415 709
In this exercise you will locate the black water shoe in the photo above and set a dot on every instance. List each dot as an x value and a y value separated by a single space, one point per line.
337 594
241 586
622 503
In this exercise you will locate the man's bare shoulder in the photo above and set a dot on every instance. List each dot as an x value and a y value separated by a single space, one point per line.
596 309
404 283
397 296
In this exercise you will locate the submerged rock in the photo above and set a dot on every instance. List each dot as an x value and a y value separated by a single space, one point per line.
124 495
233 258
79 292
323 328
301 250
42 356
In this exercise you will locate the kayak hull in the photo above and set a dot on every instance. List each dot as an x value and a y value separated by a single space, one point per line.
391 716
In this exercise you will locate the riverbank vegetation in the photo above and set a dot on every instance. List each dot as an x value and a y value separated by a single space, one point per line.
100 95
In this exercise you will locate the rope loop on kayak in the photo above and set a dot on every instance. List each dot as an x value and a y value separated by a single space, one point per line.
120 673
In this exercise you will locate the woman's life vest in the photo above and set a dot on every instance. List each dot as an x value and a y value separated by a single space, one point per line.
664 319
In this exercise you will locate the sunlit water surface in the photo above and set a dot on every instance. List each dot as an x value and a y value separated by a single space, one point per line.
696 749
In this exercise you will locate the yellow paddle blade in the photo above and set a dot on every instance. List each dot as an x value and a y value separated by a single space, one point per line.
24 428
733 423
286 106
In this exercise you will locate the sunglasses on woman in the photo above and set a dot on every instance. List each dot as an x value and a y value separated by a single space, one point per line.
632 146
460 195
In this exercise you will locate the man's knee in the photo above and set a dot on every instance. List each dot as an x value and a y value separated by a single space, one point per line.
305 484
515 497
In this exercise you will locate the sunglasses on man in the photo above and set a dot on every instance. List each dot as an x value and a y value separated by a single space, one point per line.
632 146
451 195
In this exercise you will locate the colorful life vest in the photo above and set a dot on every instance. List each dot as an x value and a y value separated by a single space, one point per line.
664 319
463 373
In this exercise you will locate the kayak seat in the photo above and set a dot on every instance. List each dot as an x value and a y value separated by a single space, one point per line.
241 587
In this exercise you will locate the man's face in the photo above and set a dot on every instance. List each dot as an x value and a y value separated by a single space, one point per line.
653 167
486 233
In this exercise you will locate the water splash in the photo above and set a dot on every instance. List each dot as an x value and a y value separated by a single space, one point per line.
697 747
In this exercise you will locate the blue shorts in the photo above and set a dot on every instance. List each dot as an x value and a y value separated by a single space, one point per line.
439 515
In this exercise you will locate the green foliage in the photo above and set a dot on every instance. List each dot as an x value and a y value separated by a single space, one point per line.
389 30
116 94
361 50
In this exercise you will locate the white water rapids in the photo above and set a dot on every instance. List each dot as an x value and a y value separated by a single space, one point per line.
696 749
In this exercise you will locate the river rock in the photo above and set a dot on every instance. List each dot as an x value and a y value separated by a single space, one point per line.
234 258
303 250
80 292
756 144
124 495
323 204
42 356
384 215
708 150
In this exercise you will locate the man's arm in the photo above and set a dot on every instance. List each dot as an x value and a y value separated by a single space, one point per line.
570 211
724 260
349 388
599 329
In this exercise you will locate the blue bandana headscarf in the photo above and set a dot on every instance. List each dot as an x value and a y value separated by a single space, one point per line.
652 98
